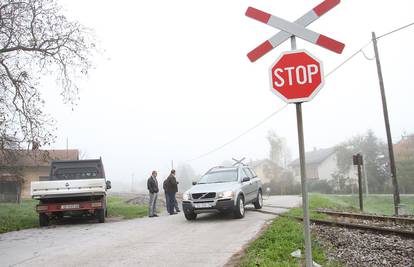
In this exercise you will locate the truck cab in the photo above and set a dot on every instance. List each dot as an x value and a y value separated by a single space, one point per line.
73 188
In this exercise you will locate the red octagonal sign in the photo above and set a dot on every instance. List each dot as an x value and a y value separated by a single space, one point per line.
296 76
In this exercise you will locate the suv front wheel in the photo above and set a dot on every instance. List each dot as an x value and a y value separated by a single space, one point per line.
190 216
239 208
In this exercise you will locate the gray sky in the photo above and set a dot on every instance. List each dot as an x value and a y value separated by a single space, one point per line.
174 81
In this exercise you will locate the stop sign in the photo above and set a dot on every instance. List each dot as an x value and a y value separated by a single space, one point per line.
296 76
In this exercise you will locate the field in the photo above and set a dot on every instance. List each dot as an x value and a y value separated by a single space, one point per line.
15 217
381 204
285 235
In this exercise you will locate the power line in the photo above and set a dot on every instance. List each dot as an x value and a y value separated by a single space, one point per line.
367 57
273 114
241 135
396 30
328 74
348 59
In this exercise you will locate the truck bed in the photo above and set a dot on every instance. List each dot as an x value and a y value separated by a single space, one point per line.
68 188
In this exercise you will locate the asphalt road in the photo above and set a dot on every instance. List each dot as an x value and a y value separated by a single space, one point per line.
211 240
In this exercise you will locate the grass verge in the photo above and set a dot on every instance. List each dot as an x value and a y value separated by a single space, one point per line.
285 235
15 217
381 204
18 216
273 248
118 208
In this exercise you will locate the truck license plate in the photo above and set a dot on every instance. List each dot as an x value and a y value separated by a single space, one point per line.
202 205
71 206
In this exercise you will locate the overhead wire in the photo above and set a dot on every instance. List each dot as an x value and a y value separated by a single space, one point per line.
347 59
367 57
271 115
396 30
361 50
241 135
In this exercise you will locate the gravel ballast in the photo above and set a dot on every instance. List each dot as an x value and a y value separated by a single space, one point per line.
354 247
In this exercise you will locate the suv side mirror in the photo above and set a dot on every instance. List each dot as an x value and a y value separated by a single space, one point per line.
194 183
108 185
245 179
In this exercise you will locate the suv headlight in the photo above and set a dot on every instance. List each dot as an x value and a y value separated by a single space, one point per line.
186 196
226 194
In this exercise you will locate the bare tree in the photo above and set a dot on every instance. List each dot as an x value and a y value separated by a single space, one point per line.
37 41
279 152
186 175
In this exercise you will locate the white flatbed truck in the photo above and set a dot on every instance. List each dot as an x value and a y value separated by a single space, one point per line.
73 188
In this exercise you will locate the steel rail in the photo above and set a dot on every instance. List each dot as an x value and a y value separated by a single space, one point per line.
400 220
382 230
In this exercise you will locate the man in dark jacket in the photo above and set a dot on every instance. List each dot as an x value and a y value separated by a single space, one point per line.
171 189
164 185
152 185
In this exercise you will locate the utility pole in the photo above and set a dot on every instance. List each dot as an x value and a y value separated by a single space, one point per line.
396 192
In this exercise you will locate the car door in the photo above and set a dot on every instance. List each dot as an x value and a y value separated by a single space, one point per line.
244 185
250 190
255 181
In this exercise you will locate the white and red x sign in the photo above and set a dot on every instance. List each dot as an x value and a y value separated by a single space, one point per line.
296 28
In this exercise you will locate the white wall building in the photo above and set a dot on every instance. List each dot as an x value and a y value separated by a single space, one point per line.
320 165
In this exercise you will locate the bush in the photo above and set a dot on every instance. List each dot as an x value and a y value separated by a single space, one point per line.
320 186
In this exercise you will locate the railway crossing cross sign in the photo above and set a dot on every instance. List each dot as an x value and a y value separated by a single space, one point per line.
297 28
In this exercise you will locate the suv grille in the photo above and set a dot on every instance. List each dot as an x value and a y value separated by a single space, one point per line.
203 195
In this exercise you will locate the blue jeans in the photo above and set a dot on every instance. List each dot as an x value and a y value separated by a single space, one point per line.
170 200
175 203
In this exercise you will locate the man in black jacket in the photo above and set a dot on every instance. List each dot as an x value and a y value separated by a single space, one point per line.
171 189
177 209
152 185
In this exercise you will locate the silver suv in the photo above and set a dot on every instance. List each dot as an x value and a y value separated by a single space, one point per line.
224 189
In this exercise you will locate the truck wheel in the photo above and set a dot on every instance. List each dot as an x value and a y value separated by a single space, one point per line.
43 220
101 215
190 216
258 203
239 208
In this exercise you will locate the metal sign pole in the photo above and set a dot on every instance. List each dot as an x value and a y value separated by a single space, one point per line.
305 203
359 163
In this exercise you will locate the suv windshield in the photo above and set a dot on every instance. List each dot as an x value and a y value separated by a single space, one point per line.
219 176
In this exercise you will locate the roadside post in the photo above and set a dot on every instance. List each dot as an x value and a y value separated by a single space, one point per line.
396 192
358 161
296 77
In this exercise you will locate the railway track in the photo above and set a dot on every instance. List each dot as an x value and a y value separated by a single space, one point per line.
367 227
394 219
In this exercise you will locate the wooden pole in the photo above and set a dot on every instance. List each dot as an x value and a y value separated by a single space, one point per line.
396 192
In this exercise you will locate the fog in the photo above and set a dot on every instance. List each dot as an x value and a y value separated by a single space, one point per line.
173 82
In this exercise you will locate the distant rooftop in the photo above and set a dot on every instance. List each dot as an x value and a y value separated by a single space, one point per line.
37 158
315 156
257 163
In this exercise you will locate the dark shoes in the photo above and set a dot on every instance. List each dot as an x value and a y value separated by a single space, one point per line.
155 215
178 210
173 213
